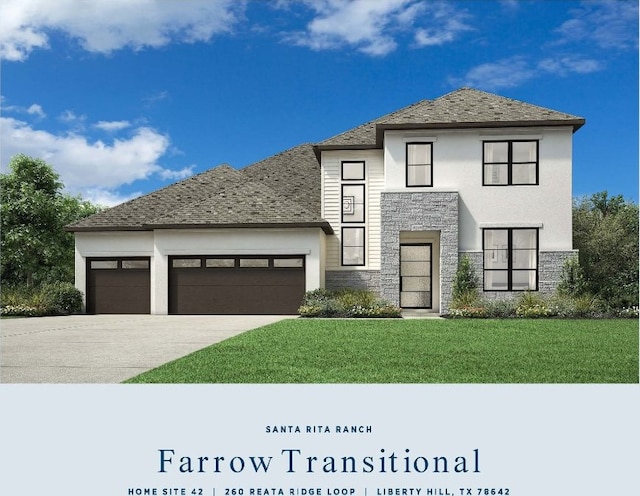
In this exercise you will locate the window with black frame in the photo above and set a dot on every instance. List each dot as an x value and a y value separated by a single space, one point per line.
510 259
513 162
353 246
419 164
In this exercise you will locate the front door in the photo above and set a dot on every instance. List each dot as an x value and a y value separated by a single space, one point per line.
415 275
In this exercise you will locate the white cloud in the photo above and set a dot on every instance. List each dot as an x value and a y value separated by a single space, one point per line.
70 117
515 71
506 73
112 126
610 24
448 24
107 198
36 110
106 25
372 27
90 167
563 66
176 175
156 97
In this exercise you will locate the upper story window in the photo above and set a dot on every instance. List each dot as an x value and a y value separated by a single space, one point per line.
513 162
353 203
419 164
353 171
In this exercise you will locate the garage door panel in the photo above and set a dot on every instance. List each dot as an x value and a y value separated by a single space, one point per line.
238 290
237 277
113 300
112 289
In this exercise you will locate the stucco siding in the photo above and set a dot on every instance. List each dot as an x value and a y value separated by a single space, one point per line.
457 166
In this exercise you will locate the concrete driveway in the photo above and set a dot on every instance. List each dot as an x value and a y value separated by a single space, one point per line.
108 348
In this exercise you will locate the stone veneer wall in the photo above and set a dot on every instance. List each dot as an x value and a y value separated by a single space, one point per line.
357 279
418 211
549 273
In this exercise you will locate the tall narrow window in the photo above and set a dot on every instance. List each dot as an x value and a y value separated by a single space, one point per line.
510 259
353 246
352 203
510 163
353 200
419 164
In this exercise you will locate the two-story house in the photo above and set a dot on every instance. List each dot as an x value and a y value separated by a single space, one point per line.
389 205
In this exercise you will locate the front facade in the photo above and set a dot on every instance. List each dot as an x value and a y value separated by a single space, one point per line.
390 206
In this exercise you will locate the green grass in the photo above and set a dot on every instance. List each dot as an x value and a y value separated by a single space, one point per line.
416 351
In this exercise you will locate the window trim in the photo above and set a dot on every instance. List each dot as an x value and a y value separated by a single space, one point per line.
407 165
364 247
510 270
510 162
364 168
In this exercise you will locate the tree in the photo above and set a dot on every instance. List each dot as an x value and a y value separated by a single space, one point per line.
605 231
34 210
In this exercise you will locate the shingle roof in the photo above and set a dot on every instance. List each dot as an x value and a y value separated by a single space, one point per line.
465 107
281 190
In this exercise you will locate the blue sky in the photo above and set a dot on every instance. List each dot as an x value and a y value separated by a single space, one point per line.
125 96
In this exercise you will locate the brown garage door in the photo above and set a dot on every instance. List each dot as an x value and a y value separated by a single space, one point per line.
118 285
236 285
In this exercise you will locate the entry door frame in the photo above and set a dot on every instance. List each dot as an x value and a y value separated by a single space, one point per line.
430 288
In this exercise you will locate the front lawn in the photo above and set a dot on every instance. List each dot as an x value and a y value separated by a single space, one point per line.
416 351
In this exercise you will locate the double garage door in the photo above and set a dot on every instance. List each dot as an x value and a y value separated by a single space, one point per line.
231 285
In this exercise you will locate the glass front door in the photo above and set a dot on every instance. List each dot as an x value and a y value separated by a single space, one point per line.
415 275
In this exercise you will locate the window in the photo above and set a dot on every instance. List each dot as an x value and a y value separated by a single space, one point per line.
353 246
419 161
186 263
104 264
353 200
510 163
135 264
281 263
510 259
220 263
352 171
353 203
254 262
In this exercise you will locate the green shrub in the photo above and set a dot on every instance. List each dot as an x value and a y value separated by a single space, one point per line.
465 285
572 280
346 303
60 298
628 313
469 312
500 309
19 311
532 306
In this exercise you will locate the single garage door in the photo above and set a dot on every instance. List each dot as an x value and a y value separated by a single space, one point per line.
118 285
236 285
